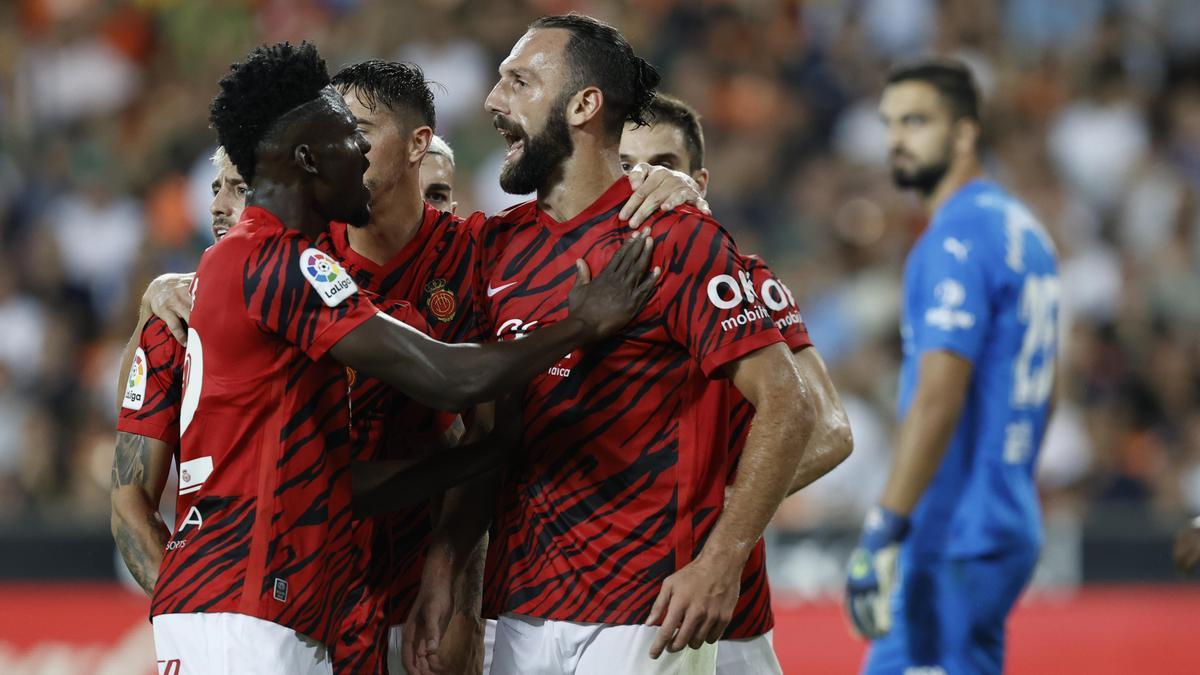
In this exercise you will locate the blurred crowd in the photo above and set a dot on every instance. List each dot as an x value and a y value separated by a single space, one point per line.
1093 117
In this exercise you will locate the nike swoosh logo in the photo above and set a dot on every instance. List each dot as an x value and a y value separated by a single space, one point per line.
494 290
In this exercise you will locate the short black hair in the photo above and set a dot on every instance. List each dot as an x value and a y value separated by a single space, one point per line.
399 86
600 56
664 109
273 80
950 77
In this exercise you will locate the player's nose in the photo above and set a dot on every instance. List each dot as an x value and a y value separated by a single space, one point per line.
494 103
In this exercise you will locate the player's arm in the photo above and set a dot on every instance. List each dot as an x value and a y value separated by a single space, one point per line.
696 603
452 578
943 380
168 298
139 472
831 441
455 377
1187 547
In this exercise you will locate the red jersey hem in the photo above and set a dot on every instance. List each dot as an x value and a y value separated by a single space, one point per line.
736 350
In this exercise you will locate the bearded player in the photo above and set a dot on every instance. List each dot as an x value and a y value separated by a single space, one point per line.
674 138
612 521
955 535
252 576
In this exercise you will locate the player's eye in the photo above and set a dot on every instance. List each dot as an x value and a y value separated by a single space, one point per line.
241 190
626 167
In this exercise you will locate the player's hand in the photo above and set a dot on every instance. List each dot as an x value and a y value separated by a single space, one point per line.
695 605
461 651
611 300
658 188
1187 547
873 574
428 619
169 297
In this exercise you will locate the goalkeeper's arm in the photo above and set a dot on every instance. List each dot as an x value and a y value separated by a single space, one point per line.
942 384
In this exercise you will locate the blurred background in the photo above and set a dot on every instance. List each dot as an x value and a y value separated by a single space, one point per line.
1093 118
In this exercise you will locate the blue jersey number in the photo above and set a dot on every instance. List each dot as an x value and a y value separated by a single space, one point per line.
1033 371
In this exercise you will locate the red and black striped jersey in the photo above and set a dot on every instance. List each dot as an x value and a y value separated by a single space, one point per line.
154 386
434 272
753 616
264 434
380 420
619 480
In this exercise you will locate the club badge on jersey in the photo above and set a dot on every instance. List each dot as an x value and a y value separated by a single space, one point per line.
326 275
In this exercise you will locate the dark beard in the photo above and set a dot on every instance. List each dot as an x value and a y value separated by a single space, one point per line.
542 156
924 180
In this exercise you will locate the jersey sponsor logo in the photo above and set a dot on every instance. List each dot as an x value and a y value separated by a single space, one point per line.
325 275
725 292
515 327
776 296
193 473
135 386
791 319
493 290
193 380
440 300
958 248
950 294
746 316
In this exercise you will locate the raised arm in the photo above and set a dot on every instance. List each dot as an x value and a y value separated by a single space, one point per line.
139 473
831 441
696 603
455 377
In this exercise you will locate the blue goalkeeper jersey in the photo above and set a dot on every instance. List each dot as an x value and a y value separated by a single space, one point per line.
982 282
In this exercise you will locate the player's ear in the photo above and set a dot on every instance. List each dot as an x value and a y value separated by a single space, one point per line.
701 178
305 159
584 106
418 144
966 136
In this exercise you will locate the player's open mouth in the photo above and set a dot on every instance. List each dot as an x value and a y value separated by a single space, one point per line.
515 144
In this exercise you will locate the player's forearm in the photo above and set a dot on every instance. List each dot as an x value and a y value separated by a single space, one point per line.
455 377
468 600
140 534
831 441
923 439
772 455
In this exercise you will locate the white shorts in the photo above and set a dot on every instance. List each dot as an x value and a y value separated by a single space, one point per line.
395 656
751 655
220 643
529 646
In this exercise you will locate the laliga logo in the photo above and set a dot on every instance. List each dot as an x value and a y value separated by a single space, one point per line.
321 268
138 372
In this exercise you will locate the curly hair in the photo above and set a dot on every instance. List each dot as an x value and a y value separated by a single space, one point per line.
399 86
600 56
273 80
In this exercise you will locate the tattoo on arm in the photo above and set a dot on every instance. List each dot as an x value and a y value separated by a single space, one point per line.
129 462
141 539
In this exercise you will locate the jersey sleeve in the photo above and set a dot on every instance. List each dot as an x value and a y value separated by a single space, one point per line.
780 302
707 295
154 386
302 294
951 294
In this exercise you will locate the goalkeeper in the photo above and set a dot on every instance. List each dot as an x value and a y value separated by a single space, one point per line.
955 536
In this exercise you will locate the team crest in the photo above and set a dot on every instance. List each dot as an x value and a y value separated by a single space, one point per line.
440 300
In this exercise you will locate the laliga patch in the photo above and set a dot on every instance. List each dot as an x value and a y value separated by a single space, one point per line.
326 275
135 386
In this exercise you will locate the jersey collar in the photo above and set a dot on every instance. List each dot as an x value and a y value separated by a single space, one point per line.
341 241
616 195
